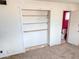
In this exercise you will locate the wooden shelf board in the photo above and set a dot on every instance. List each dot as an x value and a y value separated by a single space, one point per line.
35 23
35 30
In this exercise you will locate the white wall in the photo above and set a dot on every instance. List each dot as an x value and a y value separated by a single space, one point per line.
56 14
74 28
10 32
10 26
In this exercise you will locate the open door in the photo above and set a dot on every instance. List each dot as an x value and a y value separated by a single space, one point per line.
73 36
65 25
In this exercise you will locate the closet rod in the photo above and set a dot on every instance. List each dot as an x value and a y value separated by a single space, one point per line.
35 30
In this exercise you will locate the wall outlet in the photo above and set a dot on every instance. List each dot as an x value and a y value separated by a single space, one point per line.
1 52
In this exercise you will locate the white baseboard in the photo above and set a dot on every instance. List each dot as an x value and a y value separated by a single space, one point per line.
10 54
36 47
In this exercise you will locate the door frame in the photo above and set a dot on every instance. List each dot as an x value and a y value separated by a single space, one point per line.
68 24
48 25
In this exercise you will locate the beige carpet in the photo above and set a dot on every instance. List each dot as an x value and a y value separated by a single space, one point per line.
65 51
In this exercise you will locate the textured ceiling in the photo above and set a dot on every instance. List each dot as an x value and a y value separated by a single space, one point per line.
67 1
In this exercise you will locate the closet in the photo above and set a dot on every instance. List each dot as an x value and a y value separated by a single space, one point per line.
35 27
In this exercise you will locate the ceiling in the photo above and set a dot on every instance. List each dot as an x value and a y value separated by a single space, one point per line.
67 1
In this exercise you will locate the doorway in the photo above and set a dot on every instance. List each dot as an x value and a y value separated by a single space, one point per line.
65 25
35 27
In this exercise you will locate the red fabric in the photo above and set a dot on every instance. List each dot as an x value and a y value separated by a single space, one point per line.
65 22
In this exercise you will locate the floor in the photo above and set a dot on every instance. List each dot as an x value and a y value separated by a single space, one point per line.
64 51
63 41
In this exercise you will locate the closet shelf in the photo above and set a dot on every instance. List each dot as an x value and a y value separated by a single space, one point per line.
35 30
35 23
34 15
33 10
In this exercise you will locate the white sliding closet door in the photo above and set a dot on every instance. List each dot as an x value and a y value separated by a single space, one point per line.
35 27
73 34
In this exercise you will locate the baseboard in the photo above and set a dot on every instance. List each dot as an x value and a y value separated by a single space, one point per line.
23 51
35 47
15 53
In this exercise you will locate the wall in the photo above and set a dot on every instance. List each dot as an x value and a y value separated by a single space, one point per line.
56 15
10 23
10 31
74 28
